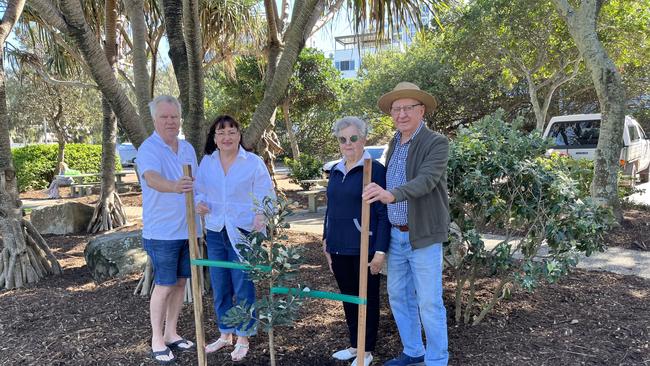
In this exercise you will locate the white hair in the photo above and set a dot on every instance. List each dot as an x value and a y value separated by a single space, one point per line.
153 105
348 121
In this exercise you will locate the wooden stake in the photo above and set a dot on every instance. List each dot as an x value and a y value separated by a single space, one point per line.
196 276
363 267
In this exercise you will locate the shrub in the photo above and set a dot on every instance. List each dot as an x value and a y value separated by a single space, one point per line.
497 178
305 167
36 164
582 172
274 263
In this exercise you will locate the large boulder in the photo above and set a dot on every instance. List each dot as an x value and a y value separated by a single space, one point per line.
66 218
115 254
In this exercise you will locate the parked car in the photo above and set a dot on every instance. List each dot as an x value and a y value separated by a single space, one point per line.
127 153
376 152
577 136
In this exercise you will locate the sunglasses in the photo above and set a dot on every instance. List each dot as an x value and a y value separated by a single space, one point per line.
343 140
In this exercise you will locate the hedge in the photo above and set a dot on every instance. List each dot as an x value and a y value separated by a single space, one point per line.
36 164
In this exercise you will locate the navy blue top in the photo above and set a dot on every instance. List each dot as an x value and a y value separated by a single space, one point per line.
342 226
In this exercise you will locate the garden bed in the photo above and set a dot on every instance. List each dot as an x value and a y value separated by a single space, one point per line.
589 318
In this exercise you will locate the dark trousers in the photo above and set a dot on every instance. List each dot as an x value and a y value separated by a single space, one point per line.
346 272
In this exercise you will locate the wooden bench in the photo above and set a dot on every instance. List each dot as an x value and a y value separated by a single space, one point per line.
311 197
78 190
315 182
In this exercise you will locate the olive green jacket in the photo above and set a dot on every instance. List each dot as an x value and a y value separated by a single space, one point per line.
426 188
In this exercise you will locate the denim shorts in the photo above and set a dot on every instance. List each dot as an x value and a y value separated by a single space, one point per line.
170 260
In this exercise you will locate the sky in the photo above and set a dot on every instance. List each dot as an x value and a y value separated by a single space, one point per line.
324 38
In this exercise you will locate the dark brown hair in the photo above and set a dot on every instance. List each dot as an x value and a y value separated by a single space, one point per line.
219 123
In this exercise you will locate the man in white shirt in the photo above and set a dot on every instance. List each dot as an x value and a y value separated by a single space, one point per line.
160 161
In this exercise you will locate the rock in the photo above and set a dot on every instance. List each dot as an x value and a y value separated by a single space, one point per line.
115 255
66 218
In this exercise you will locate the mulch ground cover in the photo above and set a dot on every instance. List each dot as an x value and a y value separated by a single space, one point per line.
588 318
634 232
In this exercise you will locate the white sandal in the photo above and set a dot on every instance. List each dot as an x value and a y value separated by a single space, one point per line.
239 347
217 345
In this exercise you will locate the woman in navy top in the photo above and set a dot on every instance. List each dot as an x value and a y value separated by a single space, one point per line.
342 231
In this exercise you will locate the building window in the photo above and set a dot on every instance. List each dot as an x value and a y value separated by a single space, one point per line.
345 65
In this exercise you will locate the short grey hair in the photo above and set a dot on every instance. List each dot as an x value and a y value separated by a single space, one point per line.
153 105
348 121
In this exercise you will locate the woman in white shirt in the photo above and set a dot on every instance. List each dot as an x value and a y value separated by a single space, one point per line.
230 180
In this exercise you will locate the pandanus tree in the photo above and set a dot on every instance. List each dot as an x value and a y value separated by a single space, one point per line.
25 257
109 212
286 36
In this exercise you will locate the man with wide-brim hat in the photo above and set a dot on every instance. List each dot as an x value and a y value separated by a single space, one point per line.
418 210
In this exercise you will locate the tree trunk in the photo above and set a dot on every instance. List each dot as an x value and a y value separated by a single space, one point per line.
71 22
59 130
153 46
294 41
540 119
109 212
25 257
60 157
135 9
193 124
295 151
268 147
611 97
559 77
173 11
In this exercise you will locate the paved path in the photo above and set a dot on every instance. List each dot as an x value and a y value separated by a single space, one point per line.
615 259
642 198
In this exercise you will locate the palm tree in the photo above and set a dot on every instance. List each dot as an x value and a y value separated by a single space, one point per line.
109 212
285 40
223 29
26 257
193 124
143 88
69 19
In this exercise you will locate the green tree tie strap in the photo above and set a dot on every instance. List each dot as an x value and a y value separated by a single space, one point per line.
320 295
226 264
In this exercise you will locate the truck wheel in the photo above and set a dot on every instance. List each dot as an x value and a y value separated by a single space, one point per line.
644 175
629 176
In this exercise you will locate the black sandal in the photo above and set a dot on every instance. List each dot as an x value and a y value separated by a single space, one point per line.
182 345
166 352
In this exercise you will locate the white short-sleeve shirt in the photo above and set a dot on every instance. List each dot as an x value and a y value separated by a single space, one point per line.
163 213
232 197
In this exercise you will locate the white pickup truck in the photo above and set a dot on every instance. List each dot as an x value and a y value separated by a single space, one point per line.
576 135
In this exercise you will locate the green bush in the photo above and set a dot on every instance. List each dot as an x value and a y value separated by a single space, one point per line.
581 172
305 167
498 178
36 164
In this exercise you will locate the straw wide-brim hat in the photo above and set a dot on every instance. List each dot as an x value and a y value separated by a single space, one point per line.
407 90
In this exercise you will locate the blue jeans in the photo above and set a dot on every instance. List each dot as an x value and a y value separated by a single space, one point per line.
170 260
229 286
415 283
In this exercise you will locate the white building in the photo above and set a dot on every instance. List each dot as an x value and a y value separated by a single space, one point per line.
349 50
